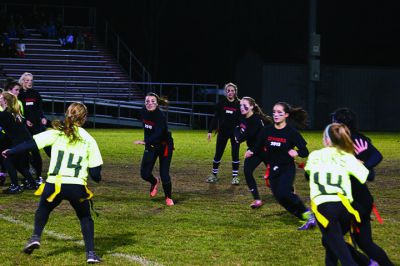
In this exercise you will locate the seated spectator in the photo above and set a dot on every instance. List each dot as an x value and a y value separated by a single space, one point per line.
20 48
70 41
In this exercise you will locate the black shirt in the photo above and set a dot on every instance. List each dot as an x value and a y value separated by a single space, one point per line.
14 129
155 127
33 105
248 130
226 116
276 143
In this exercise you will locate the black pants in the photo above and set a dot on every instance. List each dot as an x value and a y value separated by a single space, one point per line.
164 155
222 140
35 157
72 193
281 181
332 235
250 164
18 162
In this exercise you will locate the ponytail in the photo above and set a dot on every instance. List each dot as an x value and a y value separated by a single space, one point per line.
297 115
339 136
257 110
75 116
160 100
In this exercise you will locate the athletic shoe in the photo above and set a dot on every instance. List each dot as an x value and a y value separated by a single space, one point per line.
372 263
13 189
33 243
235 180
39 181
310 223
31 186
212 179
256 204
153 188
169 202
91 257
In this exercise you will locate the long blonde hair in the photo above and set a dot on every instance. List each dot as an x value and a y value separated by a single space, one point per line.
12 105
23 76
75 116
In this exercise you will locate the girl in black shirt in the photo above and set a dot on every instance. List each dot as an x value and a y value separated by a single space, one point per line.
12 123
363 200
276 144
248 129
225 119
158 144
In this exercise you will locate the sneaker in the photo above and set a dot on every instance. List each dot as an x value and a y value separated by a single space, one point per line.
235 180
91 257
310 223
372 263
13 189
39 181
33 243
154 188
212 179
256 204
169 202
31 186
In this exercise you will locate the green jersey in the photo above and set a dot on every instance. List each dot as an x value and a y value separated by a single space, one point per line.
329 170
70 160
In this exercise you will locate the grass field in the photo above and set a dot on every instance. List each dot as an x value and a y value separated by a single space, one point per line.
209 225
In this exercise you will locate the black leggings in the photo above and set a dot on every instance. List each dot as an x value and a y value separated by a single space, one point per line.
18 162
364 240
332 235
281 181
148 161
72 193
222 140
250 164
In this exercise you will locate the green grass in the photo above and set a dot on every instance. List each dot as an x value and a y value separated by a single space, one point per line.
209 225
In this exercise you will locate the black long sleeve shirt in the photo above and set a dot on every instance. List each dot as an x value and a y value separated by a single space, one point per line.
226 116
276 143
15 130
33 105
248 130
155 127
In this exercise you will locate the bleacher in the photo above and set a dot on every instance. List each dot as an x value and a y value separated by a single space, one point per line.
71 73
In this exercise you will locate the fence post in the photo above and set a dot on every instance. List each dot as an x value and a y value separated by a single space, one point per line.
130 65
94 113
118 49
191 114
106 34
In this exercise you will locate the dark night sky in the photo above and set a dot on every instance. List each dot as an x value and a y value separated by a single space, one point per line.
201 41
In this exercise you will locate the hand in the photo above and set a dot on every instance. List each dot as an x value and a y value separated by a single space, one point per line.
248 154
29 123
360 146
139 142
293 153
44 121
4 153
209 137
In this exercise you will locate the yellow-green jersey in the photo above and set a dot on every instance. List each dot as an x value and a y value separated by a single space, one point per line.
70 161
329 170
21 108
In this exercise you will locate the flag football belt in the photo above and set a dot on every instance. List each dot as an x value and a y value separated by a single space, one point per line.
57 190
346 203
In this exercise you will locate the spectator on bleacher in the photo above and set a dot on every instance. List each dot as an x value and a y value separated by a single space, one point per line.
63 38
35 119
70 40
51 28
20 48
80 41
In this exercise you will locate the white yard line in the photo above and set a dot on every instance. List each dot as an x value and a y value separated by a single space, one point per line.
129 257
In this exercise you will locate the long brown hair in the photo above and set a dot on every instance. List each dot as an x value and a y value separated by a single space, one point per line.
160 100
12 105
340 137
75 116
296 114
257 110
